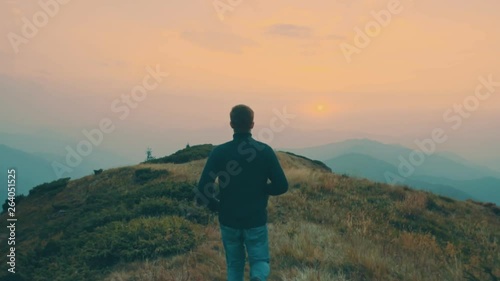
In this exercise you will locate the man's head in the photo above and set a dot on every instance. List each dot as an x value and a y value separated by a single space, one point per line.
241 118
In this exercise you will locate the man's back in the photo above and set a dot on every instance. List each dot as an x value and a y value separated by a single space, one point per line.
243 167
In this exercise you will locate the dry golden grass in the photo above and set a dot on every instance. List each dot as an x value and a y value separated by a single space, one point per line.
180 172
415 203
331 227
325 228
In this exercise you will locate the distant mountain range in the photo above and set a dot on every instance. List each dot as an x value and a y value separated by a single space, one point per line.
442 173
135 221
494 164
31 169
33 156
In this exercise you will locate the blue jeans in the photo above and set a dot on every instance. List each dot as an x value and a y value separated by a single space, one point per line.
256 242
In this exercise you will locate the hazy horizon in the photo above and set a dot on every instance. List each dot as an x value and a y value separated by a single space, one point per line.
73 71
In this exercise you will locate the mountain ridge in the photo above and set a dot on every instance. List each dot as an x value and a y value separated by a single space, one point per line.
139 220
449 177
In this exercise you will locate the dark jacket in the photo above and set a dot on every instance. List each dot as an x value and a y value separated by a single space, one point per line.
243 167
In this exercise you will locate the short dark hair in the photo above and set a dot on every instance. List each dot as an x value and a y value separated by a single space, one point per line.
241 117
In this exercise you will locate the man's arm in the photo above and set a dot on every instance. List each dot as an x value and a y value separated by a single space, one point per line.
206 185
279 183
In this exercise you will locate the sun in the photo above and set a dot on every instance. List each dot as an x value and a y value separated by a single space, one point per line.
320 107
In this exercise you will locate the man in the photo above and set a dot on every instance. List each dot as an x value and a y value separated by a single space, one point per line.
243 168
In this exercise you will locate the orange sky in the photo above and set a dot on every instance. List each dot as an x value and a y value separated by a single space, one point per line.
268 54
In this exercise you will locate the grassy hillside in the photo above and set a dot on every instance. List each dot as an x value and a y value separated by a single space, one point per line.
185 155
139 223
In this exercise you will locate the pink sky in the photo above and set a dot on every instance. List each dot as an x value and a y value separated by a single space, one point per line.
267 54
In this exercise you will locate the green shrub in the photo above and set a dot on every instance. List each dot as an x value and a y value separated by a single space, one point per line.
177 191
51 248
138 239
157 207
100 218
51 188
18 199
185 155
142 176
